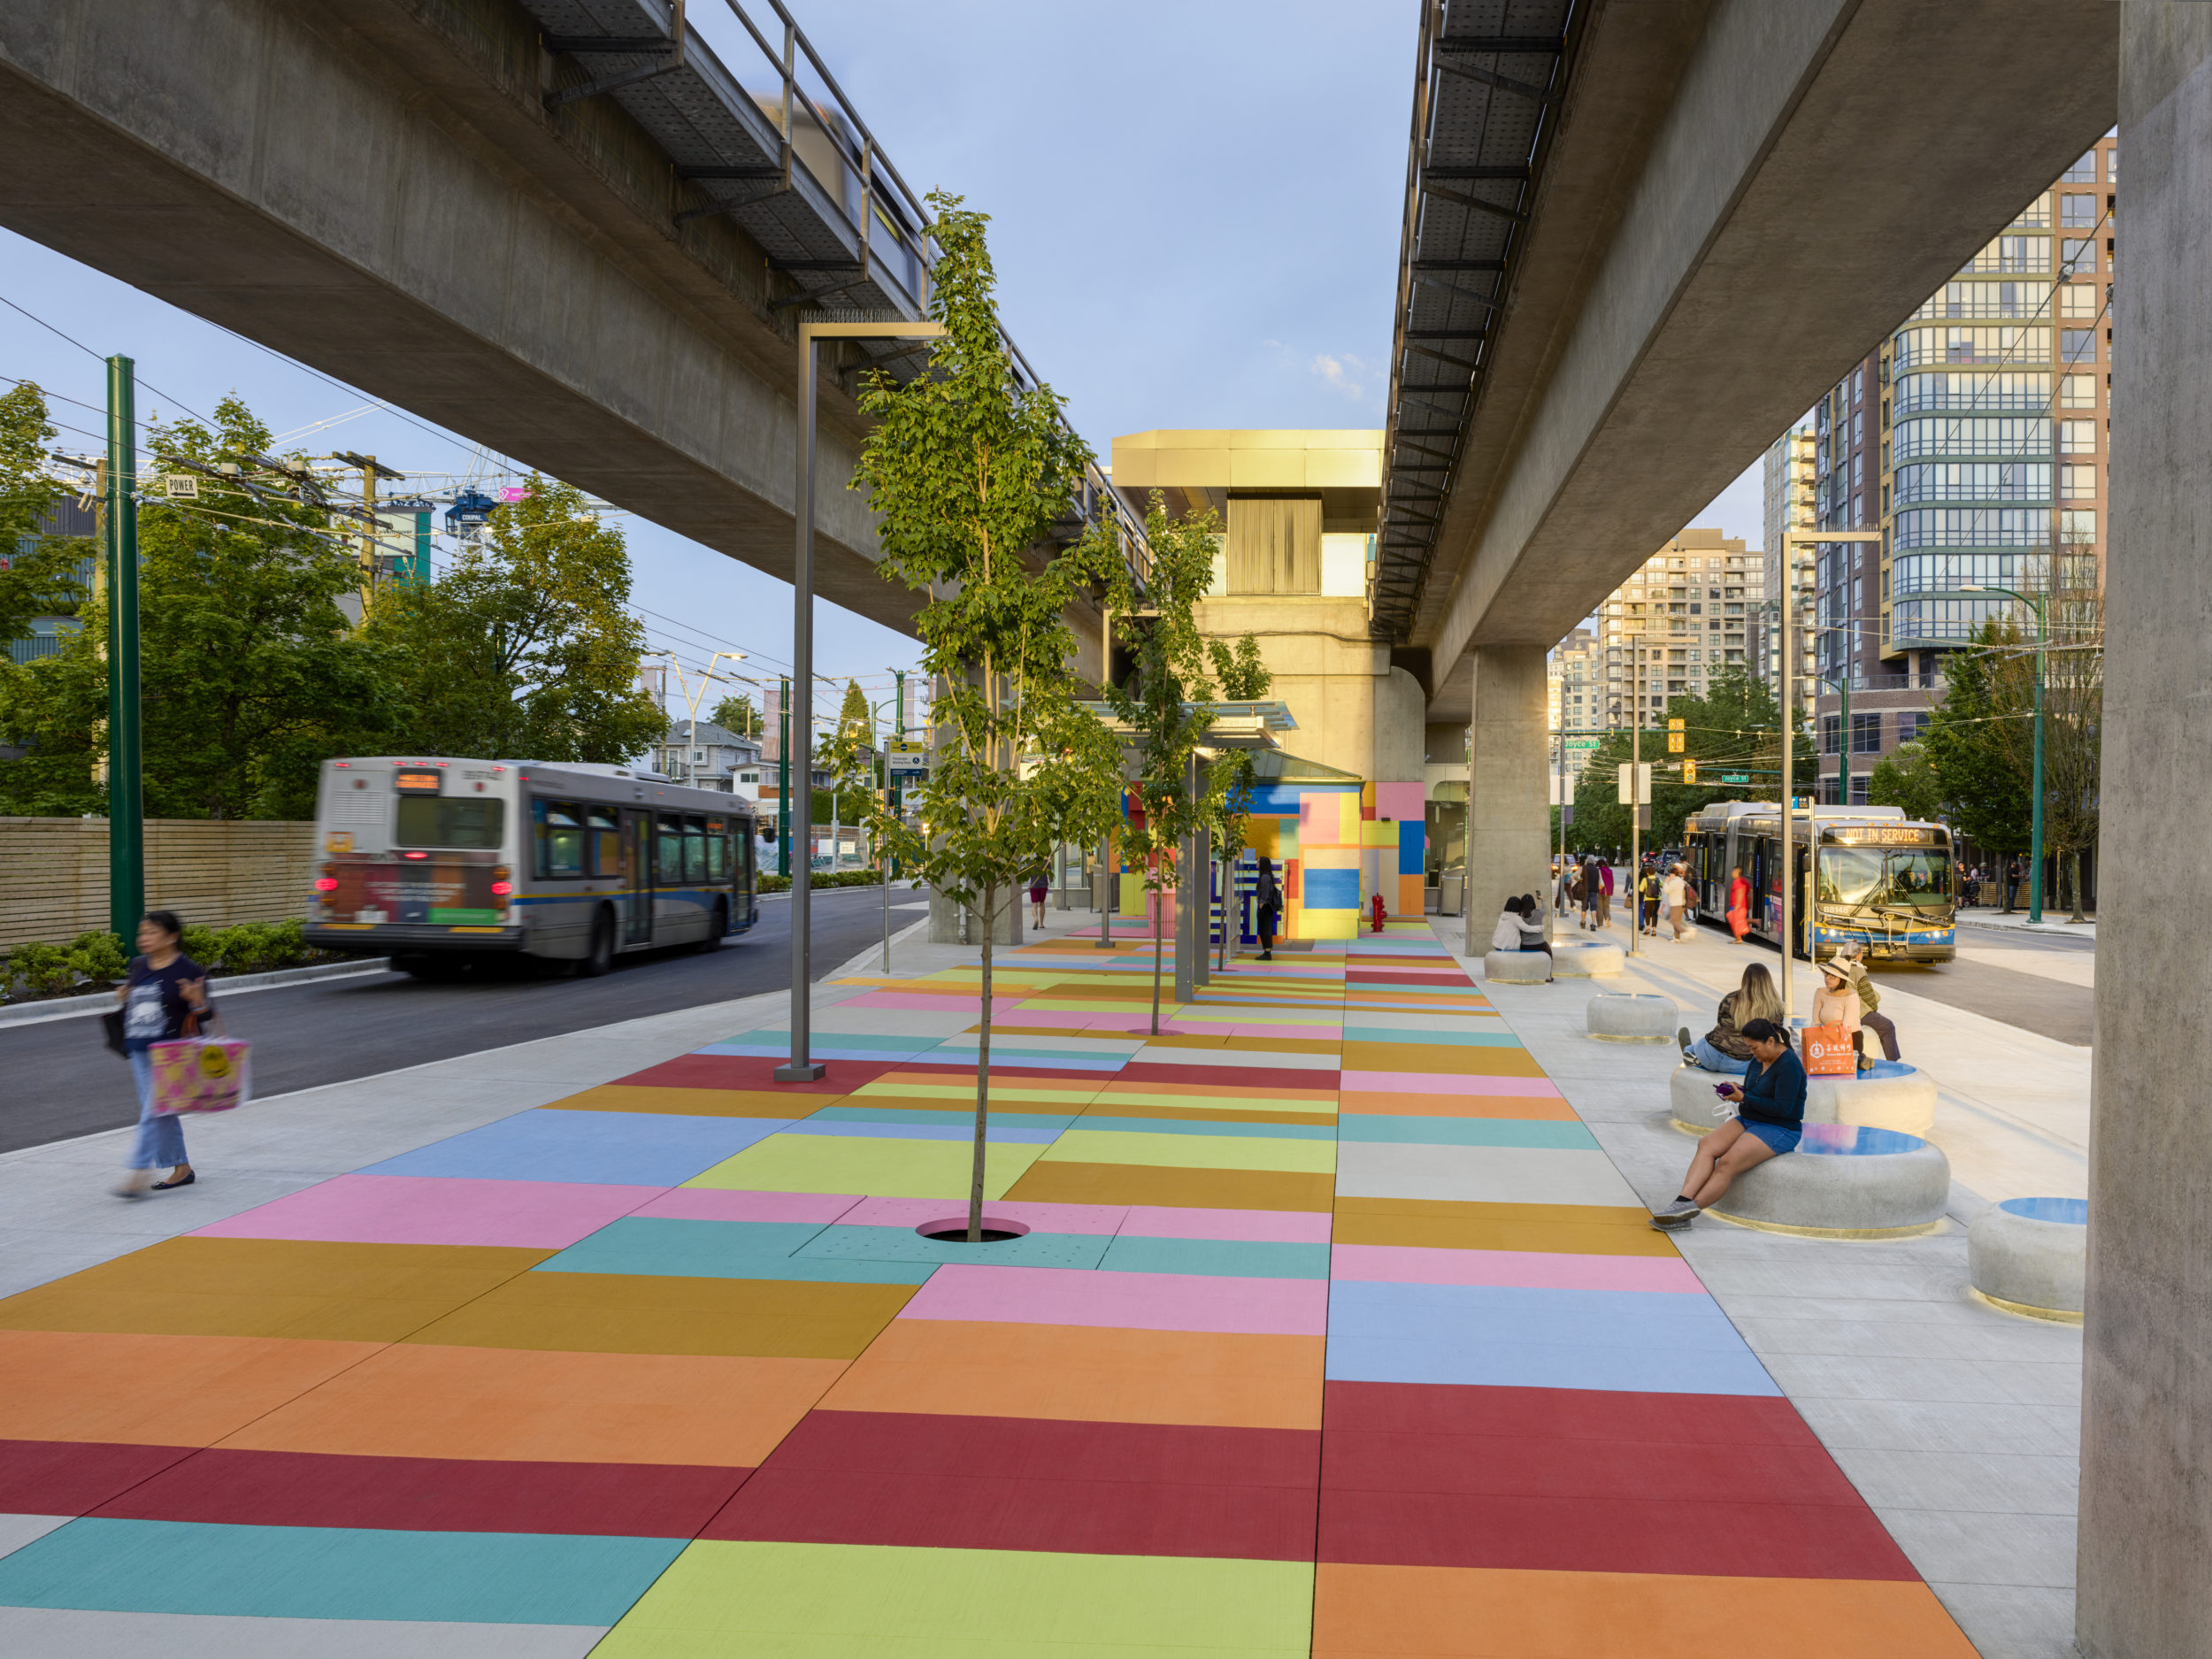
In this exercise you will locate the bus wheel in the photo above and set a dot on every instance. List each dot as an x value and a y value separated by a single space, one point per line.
718 927
601 956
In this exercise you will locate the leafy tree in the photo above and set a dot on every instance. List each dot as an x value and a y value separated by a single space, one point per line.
1973 742
1906 778
737 714
250 674
967 468
853 715
1242 676
1166 703
525 647
38 573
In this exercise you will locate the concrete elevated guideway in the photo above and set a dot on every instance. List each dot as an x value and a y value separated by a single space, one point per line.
428 199
1722 202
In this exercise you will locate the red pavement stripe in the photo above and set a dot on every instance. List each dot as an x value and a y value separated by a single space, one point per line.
74 1477
255 1488
1017 1483
748 1071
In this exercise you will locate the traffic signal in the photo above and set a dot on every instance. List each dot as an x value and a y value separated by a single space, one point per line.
1689 769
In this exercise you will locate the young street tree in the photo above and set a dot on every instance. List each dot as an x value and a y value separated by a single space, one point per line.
40 577
968 470
525 647
737 714
1167 703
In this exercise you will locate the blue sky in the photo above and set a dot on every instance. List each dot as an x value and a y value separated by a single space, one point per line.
1194 218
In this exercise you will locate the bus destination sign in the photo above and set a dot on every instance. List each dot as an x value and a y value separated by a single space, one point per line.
1884 835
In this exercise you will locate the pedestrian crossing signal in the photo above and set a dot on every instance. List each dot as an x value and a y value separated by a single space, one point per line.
1674 742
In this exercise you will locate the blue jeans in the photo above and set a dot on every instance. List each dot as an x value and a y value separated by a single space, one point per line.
159 1144
1713 1060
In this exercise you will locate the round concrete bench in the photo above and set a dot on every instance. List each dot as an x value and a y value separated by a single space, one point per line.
1517 967
1584 959
1630 1017
1844 1182
2030 1255
1891 1096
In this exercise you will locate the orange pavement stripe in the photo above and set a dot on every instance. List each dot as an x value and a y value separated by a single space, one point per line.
1363 1612
418 1401
625 1313
1559 1229
692 1102
1549 1108
302 1289
1087 1373
153 1390
1072 1183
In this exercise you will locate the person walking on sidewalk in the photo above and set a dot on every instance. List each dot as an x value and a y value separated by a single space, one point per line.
1605 893
164 997
1269 907
1676 890
1739 903
1853 956
1647 886
1040 888
1769 1121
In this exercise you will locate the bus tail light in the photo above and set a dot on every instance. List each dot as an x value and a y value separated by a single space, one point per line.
501 889
326 884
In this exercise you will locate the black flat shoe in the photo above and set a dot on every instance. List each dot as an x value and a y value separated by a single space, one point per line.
163 1186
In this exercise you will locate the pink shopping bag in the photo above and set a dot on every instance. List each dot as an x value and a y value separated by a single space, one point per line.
202 1074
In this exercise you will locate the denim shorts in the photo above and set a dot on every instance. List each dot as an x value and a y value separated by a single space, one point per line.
1774 1135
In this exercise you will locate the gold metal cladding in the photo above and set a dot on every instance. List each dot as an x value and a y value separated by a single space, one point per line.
2024 1310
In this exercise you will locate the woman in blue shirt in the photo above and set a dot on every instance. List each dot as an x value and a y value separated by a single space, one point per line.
1769 1121
164 992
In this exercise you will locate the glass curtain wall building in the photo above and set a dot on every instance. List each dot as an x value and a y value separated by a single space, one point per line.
1974 437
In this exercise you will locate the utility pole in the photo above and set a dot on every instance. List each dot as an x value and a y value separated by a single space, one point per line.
1636 791
783 779
126 806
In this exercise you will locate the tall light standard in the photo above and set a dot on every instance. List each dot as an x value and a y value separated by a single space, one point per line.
2035 805
803 1067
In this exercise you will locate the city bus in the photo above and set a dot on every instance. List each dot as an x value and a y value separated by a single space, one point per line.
435 862
1880 880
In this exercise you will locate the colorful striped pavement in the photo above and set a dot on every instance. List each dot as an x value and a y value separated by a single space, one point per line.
1332 1331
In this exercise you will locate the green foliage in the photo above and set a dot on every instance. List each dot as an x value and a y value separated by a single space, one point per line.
1243 678
42 582
1734 727
250 675
737 714
1972 741
1908 779
772 883
525 648
967 469
42 969
97 959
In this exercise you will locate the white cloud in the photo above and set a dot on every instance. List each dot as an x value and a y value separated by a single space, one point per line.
1343 373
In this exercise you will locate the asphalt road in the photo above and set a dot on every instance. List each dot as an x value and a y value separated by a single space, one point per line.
60 1082
2051 1008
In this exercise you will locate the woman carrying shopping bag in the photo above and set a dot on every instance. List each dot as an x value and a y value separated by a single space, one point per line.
164 997
1739 903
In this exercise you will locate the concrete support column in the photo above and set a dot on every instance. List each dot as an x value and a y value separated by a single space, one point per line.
2146 1415
1508 817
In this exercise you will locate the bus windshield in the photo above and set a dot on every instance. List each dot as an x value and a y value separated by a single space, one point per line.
1861 878
436 821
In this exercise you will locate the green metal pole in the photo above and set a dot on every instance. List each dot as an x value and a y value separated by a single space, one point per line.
2035 807
1843 776
783 783
126 829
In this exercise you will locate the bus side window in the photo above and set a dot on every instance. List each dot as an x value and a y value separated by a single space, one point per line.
606 840
694 849
669 863
717 850
560 839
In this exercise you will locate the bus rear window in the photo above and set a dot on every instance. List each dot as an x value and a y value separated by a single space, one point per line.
441 821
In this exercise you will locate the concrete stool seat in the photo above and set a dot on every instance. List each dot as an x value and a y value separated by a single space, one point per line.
1517 967
1583 959
1890 1096
1630 1017
2030 1255
1844 1182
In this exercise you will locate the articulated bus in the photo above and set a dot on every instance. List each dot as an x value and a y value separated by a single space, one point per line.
1879 880
435 862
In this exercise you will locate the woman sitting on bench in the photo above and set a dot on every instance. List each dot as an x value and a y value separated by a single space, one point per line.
1769 1121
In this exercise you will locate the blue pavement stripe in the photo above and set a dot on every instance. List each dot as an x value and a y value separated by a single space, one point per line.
335 1572
1467 1131
608 1148
861 1245
1221 1258
1651 1341
668 1248
1206 1126
948 1126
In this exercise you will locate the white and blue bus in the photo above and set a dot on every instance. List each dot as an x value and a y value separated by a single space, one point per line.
437 861
1873 878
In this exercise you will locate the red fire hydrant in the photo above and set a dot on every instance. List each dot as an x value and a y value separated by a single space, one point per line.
1379 913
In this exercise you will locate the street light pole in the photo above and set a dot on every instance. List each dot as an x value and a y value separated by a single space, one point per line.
126 827
2035 804
1635 793
803 1067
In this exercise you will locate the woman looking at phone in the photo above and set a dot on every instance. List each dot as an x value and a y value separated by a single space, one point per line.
1769 1121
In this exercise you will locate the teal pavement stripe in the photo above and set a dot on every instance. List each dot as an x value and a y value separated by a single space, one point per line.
1223 1258
664 1247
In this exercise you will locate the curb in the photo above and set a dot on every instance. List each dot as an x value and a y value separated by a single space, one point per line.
100 1002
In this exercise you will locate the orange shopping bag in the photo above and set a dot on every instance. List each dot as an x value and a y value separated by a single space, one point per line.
1830 1051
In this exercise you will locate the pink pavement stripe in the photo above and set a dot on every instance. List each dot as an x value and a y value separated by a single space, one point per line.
1258 1226
437 1210
913 1212
1442 1083
1138 1301
1525 1270
704 1203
